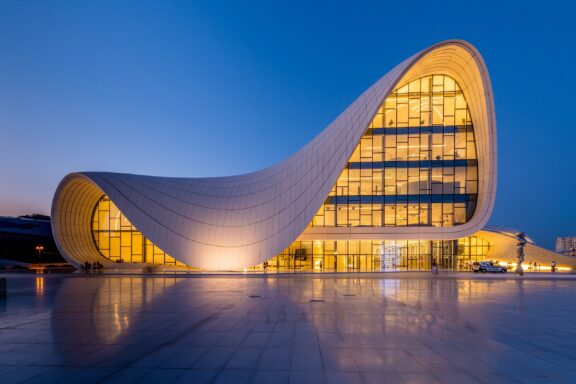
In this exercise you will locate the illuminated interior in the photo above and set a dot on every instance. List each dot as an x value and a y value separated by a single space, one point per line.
119 241
375 256
416 165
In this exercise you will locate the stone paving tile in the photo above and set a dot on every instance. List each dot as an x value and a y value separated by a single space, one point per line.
244 358
419 378
344 378
19 373
197 376
447 377
127 375
275 359
233 376
214 358
271 377
381 378
161 376
184 357
338 359
388 328
306 377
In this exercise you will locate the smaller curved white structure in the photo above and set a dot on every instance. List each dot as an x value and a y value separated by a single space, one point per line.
503 248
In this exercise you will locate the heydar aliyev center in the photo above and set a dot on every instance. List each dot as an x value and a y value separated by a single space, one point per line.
405 176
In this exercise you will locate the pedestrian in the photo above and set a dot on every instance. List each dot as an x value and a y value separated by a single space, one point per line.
553 266
265 265
434 267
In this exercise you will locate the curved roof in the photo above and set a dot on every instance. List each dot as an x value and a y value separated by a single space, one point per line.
233 222
503 245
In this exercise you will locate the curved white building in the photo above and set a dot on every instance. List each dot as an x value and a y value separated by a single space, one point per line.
404 176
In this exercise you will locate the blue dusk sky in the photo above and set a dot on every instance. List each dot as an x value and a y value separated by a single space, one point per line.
214 88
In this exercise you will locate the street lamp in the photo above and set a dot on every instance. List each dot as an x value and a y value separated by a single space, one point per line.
39 248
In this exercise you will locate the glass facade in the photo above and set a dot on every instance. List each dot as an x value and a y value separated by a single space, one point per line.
415 166
379 256
118 240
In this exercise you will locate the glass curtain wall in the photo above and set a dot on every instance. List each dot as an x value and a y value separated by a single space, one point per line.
415 166
118 240
377 256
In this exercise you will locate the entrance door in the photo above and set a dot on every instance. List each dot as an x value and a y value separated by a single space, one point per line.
444 252
353 263
390 252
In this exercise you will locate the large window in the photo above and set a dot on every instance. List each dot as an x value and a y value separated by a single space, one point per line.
118 240
415 166
379 255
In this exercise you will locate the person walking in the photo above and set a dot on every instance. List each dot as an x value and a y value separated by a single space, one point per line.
434 267
553 266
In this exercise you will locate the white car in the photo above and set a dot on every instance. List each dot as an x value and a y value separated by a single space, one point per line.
487 266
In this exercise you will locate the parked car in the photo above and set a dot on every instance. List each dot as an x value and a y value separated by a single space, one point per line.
488 266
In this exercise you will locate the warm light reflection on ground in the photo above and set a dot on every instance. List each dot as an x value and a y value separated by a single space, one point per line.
39 286
331 328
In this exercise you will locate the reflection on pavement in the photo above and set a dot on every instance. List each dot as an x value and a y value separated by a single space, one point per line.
288 328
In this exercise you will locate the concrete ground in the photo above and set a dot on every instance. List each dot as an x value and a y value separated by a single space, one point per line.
362 328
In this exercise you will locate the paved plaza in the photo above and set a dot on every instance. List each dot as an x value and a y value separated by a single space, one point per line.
371 328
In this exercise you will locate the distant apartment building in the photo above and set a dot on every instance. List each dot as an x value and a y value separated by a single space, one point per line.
20 237
566 245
